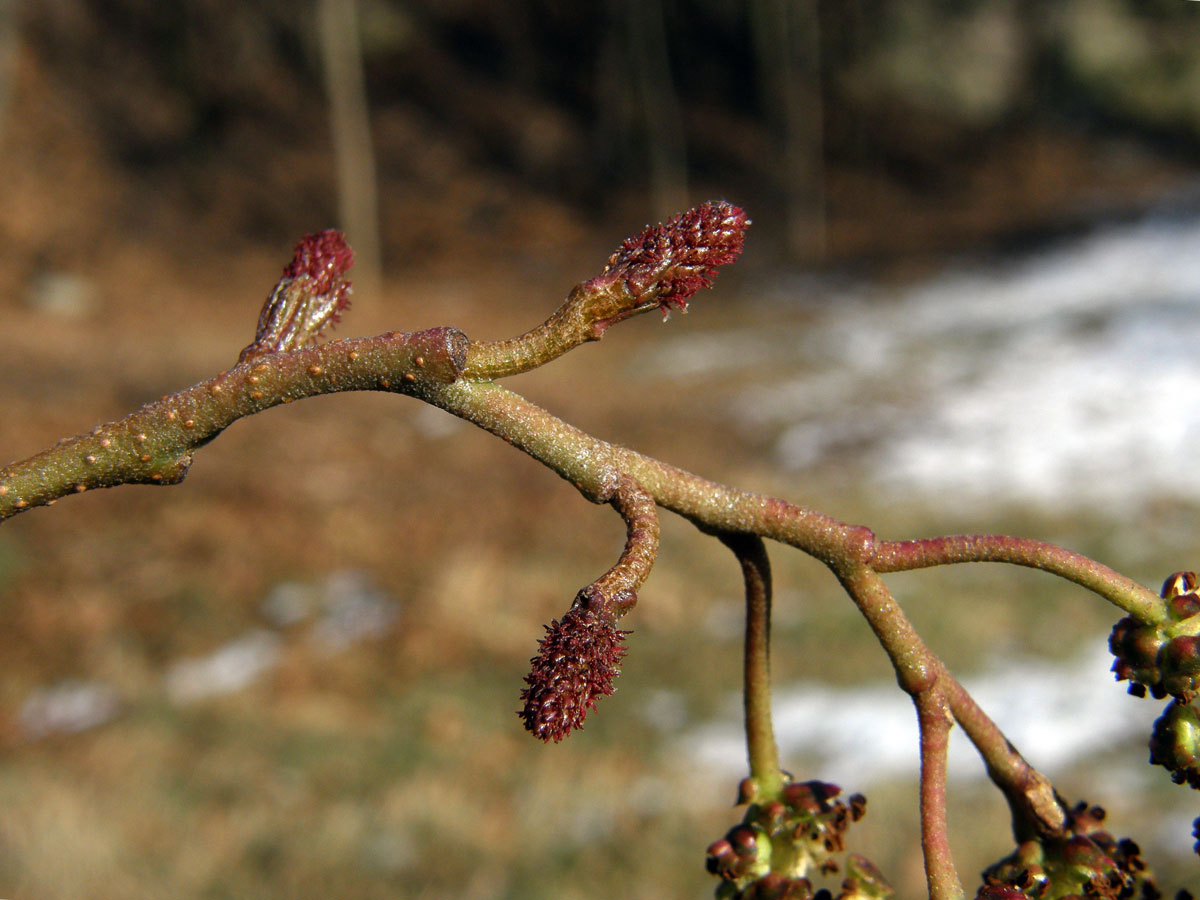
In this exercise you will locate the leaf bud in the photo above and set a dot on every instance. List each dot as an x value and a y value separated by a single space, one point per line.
311 295
1175 743
1162 658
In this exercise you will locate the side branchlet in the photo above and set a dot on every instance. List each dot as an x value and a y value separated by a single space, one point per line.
580 656
661 268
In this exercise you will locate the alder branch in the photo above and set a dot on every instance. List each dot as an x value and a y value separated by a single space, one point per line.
580 655
661 268
155 444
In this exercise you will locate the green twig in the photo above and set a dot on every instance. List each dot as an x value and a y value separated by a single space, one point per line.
154 445
761 748
1035 808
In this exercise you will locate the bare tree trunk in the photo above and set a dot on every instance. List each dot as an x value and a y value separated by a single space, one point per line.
9 45
787 36
358 207
658 104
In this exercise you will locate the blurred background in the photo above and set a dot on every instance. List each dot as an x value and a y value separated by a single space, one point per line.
969 301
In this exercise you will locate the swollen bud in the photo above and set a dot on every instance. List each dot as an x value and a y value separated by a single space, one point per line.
782 840
1163 658
742 856
1175 743
310 296
1084 861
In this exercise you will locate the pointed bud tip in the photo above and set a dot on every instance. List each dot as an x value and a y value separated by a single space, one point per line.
324 257
672 261
310 296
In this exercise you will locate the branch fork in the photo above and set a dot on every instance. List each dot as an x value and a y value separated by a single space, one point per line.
581 653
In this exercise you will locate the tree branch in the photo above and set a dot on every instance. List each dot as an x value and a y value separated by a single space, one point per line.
1135 599
761 748
154 445
580 655
934 719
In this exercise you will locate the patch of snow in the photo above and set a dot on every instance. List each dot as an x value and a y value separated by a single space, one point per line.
68 707
353 610
231 667
1065 377
1055 714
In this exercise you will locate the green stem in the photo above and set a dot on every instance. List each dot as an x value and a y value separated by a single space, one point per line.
919 673
1035 809
761 748
592 465
916 667
589 310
